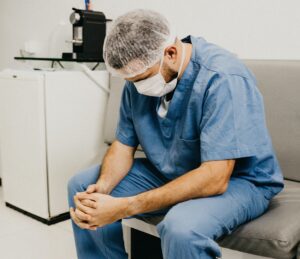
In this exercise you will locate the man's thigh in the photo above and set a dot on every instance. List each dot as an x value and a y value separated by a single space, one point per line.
143 176
218 215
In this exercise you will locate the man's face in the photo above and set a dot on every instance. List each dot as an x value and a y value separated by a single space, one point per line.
168 69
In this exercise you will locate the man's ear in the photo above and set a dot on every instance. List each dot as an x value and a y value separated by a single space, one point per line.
171 53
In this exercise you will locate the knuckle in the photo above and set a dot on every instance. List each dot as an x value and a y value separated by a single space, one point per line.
84 202
78 214
81 216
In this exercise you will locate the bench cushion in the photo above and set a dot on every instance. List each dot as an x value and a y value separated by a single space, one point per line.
275 234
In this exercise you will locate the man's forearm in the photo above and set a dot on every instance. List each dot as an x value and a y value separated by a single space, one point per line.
115 166
201 182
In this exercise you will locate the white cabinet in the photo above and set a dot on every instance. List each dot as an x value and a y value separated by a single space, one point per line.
51 127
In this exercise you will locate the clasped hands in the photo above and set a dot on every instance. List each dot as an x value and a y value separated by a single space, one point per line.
95 209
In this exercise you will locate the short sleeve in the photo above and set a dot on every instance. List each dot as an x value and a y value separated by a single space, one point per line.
233 121
125 131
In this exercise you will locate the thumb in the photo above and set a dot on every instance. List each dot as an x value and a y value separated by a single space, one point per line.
91 188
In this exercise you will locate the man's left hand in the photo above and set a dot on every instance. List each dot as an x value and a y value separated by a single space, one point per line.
98 209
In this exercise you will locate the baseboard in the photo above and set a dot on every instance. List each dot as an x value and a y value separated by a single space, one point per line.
51 221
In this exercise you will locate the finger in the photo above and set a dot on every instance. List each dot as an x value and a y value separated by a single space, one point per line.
93 227
84 225
84 208
78 203
79 223
82 216
76 200
89 203
74 217
76 196
90 196
91 188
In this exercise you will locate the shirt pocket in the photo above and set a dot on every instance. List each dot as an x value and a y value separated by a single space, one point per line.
189 128
187 155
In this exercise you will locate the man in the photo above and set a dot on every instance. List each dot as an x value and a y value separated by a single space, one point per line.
210 166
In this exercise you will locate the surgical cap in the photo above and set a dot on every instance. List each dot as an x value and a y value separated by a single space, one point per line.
135 42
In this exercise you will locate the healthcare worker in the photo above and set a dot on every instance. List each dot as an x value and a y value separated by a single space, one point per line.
196 111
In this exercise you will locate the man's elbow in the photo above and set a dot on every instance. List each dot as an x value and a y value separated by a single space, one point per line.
223 188
224 181
220 172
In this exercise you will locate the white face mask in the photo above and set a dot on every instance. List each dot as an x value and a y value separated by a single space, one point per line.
156 85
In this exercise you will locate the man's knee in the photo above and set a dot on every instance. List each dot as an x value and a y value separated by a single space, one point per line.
171 230
75 183
83 178
193 235
181 227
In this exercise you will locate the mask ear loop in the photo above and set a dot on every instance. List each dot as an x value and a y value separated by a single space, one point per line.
181 61
182 58
171 40
161 62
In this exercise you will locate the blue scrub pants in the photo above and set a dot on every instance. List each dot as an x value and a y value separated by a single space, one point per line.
189 230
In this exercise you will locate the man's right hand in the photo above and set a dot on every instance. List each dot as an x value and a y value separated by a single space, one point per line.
97 187
78 215
93 188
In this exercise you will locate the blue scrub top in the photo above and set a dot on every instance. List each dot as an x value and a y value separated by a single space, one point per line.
216 113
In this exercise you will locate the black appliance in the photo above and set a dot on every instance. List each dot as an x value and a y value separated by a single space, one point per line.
89 30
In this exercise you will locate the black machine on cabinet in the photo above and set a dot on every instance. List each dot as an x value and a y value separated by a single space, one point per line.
89 30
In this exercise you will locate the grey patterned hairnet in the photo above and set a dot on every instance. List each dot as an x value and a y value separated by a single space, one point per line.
136 42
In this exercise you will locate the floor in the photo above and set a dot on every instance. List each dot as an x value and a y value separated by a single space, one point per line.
26 238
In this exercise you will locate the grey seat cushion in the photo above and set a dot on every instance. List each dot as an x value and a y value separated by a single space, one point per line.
275 234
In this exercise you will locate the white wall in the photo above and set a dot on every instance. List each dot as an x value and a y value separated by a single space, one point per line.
265 29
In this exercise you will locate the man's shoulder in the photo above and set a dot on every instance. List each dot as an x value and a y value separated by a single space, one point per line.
217 59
